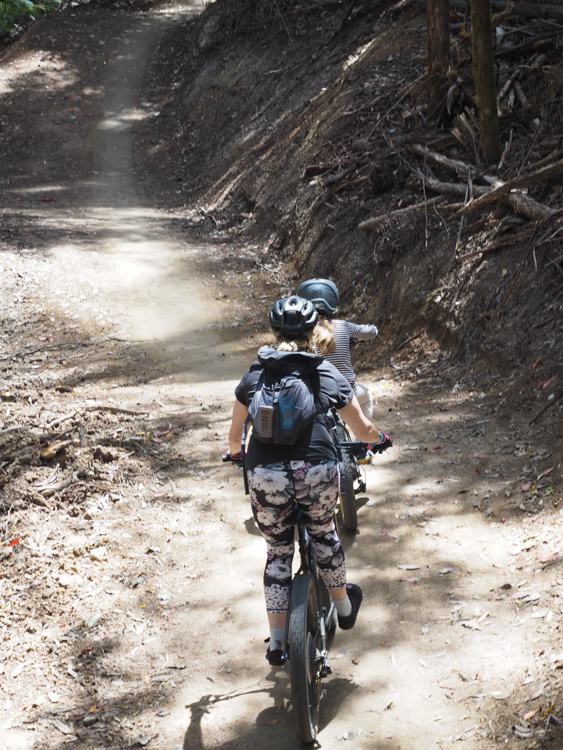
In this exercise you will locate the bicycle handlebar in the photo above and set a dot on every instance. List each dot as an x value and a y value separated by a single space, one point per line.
357 447
229 459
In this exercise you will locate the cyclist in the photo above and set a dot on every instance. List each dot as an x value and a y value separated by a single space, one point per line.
323 293
305 473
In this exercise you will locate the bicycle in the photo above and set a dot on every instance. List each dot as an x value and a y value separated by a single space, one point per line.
311 618
348 453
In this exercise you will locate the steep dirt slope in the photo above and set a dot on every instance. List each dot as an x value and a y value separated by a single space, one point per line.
294 127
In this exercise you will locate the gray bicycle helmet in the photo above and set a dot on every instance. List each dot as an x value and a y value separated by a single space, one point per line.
323 294
293 318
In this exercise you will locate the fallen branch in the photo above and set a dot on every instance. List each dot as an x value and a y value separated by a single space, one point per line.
517 183
375 220
116 410
523 204
449 188
520 203
458 166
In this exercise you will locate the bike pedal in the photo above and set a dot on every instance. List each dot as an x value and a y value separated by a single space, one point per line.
361 488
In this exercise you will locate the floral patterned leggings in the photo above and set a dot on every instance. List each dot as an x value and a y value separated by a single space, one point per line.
275 489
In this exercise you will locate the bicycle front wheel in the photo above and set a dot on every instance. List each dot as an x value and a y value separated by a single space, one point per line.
304 657
348 495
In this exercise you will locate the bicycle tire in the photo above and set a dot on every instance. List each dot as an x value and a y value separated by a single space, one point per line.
303 657
348 506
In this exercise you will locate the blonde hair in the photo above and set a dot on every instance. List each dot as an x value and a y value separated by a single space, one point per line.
321 341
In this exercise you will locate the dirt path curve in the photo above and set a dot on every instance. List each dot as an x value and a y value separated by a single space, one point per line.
140 263
142 612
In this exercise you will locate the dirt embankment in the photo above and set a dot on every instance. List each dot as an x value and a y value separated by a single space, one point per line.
296 126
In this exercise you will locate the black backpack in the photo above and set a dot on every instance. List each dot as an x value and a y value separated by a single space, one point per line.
282 407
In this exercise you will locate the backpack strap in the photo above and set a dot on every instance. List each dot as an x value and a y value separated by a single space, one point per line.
243 454
332 424
320 411
245 427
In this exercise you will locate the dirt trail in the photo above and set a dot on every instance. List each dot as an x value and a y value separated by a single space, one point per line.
137 617
141 265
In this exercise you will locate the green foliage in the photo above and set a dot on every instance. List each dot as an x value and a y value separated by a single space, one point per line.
15 12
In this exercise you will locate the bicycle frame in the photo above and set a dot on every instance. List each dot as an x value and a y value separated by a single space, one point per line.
308 565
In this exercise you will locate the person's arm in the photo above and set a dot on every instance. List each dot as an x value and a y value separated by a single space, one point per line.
362 332
240 413
361 427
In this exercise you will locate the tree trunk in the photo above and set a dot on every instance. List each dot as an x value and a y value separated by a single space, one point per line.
438 20
484 77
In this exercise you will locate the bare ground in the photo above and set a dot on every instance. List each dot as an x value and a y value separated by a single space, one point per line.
132 610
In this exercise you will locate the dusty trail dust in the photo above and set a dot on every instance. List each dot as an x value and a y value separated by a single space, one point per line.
136 616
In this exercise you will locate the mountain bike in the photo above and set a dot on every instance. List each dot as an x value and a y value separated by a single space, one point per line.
311 618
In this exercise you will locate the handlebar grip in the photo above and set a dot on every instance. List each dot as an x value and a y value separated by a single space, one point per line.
229 459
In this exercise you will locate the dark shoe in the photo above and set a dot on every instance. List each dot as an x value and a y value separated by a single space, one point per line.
355 595
275 657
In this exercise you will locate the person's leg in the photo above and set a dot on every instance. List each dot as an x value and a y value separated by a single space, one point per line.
365 400
272 497
316 488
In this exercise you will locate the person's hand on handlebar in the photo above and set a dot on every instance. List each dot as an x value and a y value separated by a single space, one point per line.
235 458
383 443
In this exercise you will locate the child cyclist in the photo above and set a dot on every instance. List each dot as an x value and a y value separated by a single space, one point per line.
305 473
323 293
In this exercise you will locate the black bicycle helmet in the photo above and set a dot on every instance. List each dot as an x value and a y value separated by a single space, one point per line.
293 318
323 294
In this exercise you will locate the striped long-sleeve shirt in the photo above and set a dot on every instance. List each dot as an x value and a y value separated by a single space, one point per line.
343 331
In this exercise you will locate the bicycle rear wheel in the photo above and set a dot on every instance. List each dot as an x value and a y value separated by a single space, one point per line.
304 657
348 495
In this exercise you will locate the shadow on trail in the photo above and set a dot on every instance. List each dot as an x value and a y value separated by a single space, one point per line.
273 727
